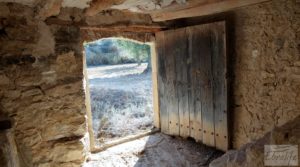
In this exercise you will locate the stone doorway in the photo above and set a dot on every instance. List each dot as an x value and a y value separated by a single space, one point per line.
131 93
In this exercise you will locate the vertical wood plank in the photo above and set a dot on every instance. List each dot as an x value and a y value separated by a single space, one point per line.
191 85
205 72
154 62
88 104
162 82
172 94
195 87
220 85
181 53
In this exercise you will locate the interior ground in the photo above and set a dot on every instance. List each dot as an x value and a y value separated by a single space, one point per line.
155 150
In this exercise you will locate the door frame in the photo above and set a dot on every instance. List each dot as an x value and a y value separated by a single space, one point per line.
156 116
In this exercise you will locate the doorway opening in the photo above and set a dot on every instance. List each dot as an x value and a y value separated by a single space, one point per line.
119 80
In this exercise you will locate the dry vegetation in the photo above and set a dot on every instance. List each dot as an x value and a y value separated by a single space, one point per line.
121 99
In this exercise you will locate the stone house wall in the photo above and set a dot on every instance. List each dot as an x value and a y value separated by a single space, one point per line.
266 68
41 88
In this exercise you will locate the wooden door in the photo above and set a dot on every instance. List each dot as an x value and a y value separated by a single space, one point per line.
192 83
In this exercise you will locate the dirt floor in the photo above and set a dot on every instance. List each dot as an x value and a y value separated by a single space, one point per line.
157 150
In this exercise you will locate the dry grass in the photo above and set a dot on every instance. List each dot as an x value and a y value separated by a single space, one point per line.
121 112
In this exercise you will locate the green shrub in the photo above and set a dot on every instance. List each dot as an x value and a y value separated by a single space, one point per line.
116 51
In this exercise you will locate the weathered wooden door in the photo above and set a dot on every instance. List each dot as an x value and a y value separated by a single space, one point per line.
192 83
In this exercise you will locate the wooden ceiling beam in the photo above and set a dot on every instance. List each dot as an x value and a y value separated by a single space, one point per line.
203 9
176 6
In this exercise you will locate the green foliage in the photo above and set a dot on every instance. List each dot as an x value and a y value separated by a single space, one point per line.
116 51
140 52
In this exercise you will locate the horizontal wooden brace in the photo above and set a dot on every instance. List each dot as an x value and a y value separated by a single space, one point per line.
203 9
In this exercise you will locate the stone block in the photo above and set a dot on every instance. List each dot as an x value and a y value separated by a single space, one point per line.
63 90
4 80
66 63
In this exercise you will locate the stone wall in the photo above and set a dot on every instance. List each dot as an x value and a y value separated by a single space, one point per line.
41 88
266 65
41 80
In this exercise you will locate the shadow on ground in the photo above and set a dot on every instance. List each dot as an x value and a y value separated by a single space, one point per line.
156 150
163 150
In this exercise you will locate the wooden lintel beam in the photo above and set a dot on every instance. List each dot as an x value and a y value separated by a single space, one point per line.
56 21
204 9
129 28
114 28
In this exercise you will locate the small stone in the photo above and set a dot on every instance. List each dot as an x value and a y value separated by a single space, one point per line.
297 63
66 63
31 92
265 75
13 94
49 8
68 152
57 126
255 53
4 11
29 81
4 80
46 43
49 77
66 89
